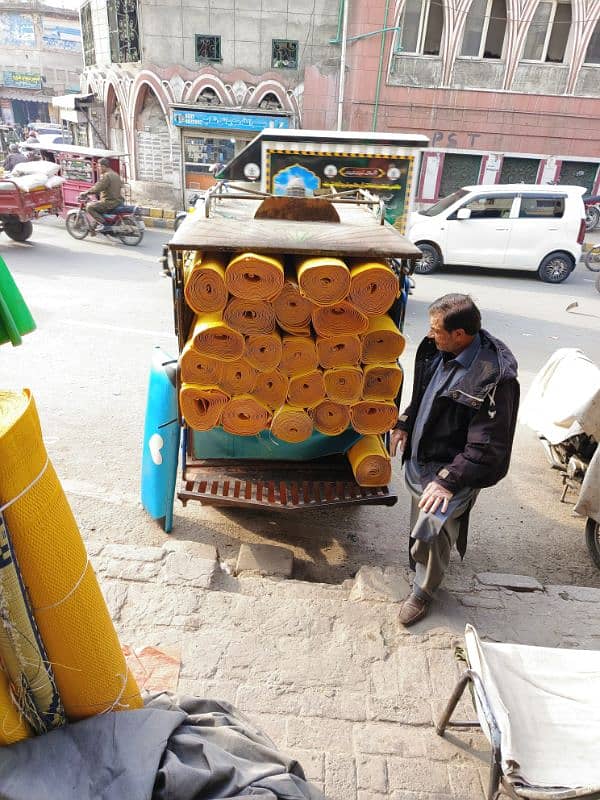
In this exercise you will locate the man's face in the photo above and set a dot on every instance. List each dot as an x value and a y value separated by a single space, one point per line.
445 341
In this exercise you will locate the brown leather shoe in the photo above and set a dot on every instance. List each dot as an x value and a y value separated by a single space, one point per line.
412 610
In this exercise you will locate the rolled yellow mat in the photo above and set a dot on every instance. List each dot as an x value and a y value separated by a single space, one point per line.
291 424
338 351
245 416
340 318
13 727
201 406
373 287
75 626
199 369
323 280
212 336
373 416
343 384
254 277
271 388
204 283
370 461
331 418
239 377
381 381
250 316
299 355
293 311
383 342
307 390
263 351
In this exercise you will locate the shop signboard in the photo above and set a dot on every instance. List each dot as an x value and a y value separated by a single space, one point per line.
16 30
22 80
61 37
211 120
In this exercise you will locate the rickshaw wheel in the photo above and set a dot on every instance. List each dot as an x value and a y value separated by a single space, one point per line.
18 231
77 224
592 539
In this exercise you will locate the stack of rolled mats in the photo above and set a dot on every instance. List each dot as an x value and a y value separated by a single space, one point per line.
293 345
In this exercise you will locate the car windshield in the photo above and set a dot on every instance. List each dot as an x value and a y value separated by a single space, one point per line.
444 203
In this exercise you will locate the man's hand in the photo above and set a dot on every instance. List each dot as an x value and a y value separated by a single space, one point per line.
398 441
433 497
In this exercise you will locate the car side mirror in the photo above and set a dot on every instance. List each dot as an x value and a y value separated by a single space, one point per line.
463 213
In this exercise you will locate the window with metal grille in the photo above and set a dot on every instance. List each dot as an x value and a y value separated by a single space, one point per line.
208 48
519 170
123 31
87 35
459 170
578 173
284 54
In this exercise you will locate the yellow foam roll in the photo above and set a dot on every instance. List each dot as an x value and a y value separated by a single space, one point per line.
212 336
291 424
254 277
250 316
373 416
339 319
13 727
89 667
239 377
331 418
293 311
381 381
370 461
343 384
201 406
271 388
383 342
263 351
307 390
298 355
373 287
199 369
338 351
204 283
245 416
323 280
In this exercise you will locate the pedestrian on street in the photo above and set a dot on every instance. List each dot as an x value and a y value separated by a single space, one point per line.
455 437
13 158
110 192
32 137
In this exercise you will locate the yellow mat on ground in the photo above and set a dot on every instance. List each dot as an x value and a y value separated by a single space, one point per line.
373 416
204 283
373 287
331 418
298 355
71 615
271 388
323 280
307 390
245 416
263 351
254 277
338 351
370 461
250 316
13 727
201 406
291 424
293 311
338 319
199 369
239 377
383 342
381 381
343 384
212 336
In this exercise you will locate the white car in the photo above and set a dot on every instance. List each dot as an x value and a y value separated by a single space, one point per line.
539 228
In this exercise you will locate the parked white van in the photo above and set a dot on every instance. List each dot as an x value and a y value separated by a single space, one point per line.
513 226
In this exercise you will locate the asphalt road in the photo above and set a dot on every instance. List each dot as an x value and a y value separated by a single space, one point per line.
100 307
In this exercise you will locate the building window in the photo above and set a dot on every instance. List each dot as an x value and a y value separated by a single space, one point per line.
421 28
459 170
87 35
485 27
208 48
123 31
284 54
548 32
592 55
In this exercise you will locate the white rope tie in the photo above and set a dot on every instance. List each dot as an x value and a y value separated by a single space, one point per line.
27 488
70 592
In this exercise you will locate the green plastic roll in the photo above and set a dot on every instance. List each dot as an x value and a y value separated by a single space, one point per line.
15 317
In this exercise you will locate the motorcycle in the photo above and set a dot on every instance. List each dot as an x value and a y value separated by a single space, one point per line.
123 223
592 212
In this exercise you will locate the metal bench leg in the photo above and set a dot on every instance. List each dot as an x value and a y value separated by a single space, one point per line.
440 728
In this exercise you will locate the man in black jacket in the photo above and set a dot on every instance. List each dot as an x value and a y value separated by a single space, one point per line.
455 436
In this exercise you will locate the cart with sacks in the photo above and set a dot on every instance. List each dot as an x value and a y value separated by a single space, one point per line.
288 314
32 190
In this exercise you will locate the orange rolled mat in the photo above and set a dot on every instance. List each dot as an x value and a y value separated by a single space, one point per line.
299 355
271 388
343 384
245 416
293 311
215 338
383 342
373 287
263 351
338 351
201 406
331 418
381 381
250 316
254 277
370 461
308 390
239 377
204 284
323 280
338 319
373 416
291 424
199 369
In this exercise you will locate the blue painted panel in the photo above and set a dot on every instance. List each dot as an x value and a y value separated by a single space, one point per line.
189 118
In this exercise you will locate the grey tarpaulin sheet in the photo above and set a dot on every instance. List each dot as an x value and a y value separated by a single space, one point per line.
173 749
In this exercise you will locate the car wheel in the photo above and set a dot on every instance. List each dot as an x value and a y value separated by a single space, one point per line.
555 268
592 217
430 262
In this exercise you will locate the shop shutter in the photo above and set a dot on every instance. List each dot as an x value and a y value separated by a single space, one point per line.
578 173
459 170
519 170
154 162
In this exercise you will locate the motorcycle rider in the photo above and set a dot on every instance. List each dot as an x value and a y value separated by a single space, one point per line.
13 158
109 190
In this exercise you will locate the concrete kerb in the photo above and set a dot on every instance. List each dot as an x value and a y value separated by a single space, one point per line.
158 217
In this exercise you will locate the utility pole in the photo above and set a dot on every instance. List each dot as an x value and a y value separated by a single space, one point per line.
342 82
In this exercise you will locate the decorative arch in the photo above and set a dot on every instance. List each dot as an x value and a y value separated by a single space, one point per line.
585 15
455 19
269 87
209 82
519 14
117 128
151 150
144 81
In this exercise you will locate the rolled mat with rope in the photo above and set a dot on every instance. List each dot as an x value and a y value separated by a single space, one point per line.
199 369
13 726
382 343
373 287
381 381
239 377
323 281
253 277
293 311
204 283
373 416
250 316
202 406
212 336
370 462
330 418
339 351
299 355
307 390
343 384
271 388
245 416
338 319
89 667
291 424
263 351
